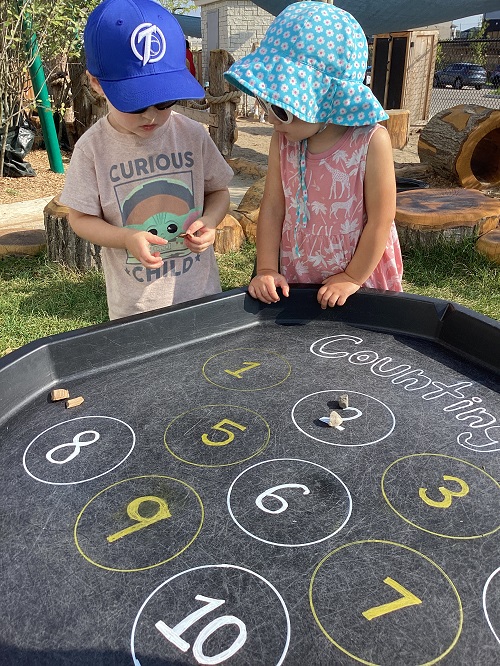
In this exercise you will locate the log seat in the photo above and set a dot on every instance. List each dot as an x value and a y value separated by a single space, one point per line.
430 216
489 245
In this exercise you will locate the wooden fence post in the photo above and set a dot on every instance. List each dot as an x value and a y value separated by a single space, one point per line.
222 135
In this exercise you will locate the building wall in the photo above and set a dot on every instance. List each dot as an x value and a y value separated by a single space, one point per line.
241 25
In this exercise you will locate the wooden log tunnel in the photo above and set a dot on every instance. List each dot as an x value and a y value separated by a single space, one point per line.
462 144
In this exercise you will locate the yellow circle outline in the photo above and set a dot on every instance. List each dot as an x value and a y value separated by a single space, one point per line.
445 536
133 478
262 388
399 545
236 462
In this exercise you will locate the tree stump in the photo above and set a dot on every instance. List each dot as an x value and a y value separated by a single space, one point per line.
398 127
248 222
63 245
253 196
489 245
229 235
21 242
462 144
429 216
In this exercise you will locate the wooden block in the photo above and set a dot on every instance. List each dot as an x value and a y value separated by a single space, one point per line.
74 402
59 394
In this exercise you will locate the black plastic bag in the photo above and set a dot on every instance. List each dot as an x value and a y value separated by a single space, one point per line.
19 143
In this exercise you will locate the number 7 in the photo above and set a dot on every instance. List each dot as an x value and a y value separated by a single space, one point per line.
407 599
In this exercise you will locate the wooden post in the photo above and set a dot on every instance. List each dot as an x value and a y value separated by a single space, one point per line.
398 126
222 135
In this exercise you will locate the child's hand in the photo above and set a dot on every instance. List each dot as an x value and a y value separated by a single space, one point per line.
263 286
199 237
138 243
336 290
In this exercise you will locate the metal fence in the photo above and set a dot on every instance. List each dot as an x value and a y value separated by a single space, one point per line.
450 88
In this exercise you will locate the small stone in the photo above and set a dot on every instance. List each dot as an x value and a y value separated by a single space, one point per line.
335 419
343 401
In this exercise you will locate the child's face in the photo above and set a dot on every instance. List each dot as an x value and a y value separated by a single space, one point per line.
297 130
141 124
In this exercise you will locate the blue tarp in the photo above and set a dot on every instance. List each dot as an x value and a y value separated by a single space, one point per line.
380 16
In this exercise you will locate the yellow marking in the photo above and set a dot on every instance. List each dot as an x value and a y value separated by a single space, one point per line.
357 657
218 426
447 494
238 373
142 521
407 599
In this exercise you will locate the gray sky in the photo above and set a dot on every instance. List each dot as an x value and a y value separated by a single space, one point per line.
468 22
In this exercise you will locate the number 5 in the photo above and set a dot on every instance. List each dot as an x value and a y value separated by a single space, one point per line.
219 426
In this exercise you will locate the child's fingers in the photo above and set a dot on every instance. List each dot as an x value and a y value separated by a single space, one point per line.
152 239
194 227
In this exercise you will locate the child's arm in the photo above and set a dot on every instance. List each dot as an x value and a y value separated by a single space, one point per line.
214 210
271 216
98 231
380 203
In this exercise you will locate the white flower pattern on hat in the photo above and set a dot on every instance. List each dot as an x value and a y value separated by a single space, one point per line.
312 62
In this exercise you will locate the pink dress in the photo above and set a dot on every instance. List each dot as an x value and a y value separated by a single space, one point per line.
337 215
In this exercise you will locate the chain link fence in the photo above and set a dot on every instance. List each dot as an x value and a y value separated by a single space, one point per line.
467 72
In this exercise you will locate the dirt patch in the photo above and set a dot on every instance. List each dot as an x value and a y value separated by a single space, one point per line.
46 183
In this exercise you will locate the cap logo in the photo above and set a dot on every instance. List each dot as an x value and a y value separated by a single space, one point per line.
149 39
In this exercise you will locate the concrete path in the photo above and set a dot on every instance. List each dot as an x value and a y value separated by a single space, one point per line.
22 230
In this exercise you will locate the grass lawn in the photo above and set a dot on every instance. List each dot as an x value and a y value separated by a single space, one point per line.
39 298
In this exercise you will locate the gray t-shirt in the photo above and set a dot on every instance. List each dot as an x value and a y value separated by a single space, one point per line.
158 184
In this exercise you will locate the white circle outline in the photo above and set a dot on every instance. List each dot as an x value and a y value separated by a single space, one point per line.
214 566
289 545
485 589
71 483
348 446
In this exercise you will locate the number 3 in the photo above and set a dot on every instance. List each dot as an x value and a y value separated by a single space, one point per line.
447 494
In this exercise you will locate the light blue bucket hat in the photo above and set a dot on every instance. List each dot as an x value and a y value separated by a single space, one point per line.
312 62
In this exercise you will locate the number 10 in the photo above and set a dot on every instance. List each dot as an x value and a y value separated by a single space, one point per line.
173 634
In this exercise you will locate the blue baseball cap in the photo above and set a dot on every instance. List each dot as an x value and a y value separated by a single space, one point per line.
137 51
312 62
